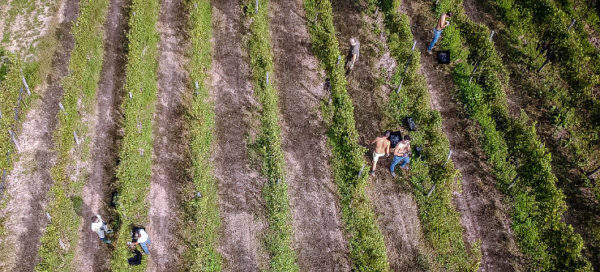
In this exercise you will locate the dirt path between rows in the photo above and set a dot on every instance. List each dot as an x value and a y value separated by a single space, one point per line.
170 156
395 206
30 180
483 214
91 254
318 235
240 196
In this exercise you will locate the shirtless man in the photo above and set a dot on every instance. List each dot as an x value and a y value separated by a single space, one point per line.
382 147
401 155
437 31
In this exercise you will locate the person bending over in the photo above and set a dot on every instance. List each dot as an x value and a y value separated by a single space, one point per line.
382 147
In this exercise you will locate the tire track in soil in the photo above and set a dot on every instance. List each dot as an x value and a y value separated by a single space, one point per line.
395 207
30 180
318 234
483 213
91 254
240 196
170 156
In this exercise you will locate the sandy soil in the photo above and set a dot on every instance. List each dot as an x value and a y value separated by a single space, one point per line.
27 29
483 214
4 8
318 237
170 143
240 198
91 254
394 205
30 179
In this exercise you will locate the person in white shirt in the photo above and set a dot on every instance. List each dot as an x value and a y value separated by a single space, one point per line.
100 228
141 237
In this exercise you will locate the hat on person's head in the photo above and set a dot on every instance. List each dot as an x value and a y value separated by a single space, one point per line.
352 41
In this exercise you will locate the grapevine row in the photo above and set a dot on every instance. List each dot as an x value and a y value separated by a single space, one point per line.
203 219
134 170
61 234
441 221
539 204
367 249
268 142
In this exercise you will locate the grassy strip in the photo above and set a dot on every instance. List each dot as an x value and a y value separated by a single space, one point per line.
29 23
35 73
133 173
367 249
61 236
539 204
441 221
203 220
11 88
268 142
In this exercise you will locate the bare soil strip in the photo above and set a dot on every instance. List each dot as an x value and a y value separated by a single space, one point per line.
240 197
318 237
91 254
395 206
30 180
169 152
483 214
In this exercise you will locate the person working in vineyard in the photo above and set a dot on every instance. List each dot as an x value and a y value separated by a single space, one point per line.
437 31
100 228
352 54
401 155
139 236
382 147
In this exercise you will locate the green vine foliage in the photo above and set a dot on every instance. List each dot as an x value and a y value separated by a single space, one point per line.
367 249
268 142
134 171
202 214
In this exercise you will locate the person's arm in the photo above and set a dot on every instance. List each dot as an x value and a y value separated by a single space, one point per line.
387 148
374 141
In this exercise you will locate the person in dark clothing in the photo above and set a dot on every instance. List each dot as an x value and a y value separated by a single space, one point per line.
353 54
137 255
395 138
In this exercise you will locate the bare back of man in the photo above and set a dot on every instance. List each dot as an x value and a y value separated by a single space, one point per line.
382 147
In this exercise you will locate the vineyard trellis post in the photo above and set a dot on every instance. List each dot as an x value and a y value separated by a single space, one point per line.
361 170
474 70
571 25
60 105
256 7
406 66
492 34
431 191
197 85
25 84
590 174
448 158
12 137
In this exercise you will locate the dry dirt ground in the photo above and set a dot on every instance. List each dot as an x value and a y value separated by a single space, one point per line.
394 205
91 254
318 234
240 199
30 179
4 8
483 214
25 30
170 143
